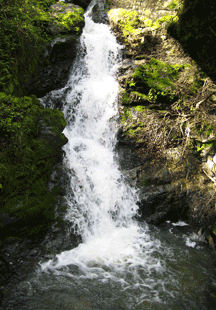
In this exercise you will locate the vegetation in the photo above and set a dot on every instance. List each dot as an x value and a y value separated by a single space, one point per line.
24 32
157 79
168 97
66 19
26 155
128 21
26 159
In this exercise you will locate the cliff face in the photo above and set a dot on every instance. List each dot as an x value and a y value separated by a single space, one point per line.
38 44
167 115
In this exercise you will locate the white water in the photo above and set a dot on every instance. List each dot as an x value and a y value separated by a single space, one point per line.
101 206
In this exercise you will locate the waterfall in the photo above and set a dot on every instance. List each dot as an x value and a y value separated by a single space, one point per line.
101 205
120 263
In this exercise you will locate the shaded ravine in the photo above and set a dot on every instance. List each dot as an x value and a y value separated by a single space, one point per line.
121 263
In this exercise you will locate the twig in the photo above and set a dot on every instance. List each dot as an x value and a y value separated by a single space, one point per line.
214 181
201 101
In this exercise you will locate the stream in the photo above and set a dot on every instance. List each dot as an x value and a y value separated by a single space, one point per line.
121 263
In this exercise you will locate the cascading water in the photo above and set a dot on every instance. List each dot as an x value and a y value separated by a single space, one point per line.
101 206
120 263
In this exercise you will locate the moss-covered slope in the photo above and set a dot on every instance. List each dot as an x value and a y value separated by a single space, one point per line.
26 26
31 142
30 135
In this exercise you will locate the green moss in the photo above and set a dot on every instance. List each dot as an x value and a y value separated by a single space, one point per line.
158 79
168 19
125 97
139 109
54 118
130 133
175 4
148 22
140 95
202 146
26 158
69 20
23 34
127 114
128 21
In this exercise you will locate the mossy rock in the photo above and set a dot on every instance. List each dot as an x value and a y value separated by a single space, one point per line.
31 140
26 27
23 34
154 82
127 20
67 18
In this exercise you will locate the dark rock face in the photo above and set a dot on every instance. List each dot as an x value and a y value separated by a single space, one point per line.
54 67
83 3
36 219
197 33
53 74
99 14
160 199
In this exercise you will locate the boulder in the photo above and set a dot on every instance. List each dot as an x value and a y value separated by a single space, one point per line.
66 19
54 66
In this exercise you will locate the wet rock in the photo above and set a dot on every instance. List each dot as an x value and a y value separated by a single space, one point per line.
56 140
99 14
54 67
159 199
53 70
5 268
59 180
24 289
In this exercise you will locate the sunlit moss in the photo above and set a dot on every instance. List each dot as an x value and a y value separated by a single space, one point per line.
175 4
139 109
158 79
127 20
127 114
164 20
140 95
130 133
148 22
67 20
